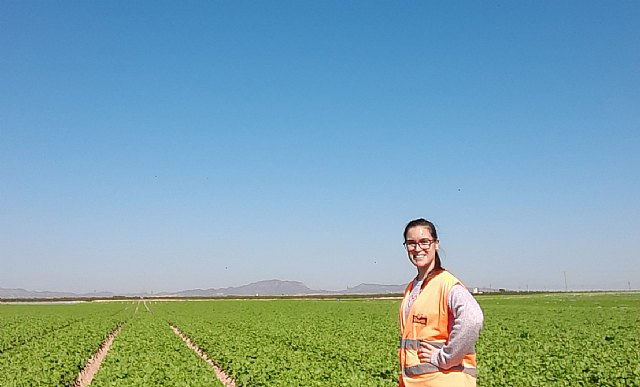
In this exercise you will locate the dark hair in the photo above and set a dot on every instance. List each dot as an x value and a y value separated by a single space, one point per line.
434 234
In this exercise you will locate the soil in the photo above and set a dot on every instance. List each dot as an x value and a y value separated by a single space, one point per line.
220 374
93 365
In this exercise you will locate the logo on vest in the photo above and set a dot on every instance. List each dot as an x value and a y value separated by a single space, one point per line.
420 319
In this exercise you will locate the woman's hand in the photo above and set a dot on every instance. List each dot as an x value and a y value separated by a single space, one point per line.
425 351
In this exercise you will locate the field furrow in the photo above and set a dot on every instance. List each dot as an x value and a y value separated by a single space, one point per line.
294 342
147 353
57 358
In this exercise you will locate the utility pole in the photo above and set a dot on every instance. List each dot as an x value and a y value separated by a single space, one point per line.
565 281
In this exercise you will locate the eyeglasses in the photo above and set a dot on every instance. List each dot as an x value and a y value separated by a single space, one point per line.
423 243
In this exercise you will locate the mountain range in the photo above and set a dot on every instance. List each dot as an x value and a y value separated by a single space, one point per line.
260 288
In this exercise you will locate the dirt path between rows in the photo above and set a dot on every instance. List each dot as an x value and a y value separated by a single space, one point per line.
93 365
220 374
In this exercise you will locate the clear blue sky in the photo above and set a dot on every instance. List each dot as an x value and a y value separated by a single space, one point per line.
160 146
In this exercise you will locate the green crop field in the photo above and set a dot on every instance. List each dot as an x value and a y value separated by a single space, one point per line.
47 345
590 339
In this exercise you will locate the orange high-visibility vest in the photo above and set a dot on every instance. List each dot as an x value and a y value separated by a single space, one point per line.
429 320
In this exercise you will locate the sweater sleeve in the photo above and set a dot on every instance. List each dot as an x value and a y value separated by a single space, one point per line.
465 330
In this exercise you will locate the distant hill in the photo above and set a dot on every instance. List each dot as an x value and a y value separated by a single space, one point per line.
260 288
22 293
285 288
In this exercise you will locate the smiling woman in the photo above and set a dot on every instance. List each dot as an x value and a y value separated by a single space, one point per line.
440 321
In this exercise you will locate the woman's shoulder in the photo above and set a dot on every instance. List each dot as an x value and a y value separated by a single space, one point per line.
449 281
445 275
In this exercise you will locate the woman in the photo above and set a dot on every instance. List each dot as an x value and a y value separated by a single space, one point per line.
439 319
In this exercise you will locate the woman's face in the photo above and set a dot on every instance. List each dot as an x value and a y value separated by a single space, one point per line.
421 248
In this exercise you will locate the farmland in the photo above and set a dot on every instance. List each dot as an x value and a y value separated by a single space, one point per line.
589 339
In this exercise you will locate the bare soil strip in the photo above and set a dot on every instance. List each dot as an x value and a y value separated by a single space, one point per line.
93 365
220 374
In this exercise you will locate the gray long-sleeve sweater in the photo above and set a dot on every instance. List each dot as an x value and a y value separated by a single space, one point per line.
464 330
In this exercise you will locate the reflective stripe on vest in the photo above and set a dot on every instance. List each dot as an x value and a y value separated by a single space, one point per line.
415 344
424 368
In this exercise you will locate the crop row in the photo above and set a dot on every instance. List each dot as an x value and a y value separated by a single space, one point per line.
148 353
22 323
